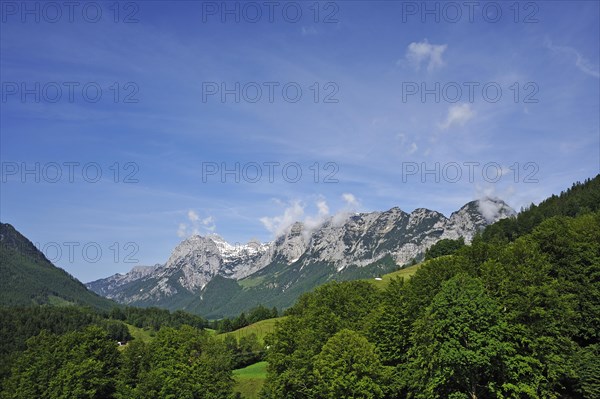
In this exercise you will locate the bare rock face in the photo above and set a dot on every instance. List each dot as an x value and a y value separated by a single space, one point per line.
353 240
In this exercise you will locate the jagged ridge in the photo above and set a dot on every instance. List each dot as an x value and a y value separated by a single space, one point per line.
339 248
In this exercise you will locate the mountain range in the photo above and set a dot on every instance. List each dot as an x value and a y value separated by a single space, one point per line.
208 276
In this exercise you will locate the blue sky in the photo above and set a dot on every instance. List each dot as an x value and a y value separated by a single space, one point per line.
165 124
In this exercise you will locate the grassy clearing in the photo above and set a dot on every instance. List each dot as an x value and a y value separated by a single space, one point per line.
260 328
249 380
58 301
140 333
386 278
250 282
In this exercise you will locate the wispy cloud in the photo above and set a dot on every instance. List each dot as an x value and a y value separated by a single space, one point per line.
350 200
171 131
308 31
413 148
458 114
425 52
193 216
278 225
407 147
313 222
296 211
582 63
196 225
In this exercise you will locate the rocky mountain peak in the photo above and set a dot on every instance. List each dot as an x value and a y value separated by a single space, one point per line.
493 209
291 245
341 242
194 246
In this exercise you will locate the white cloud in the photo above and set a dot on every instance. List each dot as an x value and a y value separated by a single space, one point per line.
340 218
412 148
311 223
323 208
350 200
196 226
420 52
349 209
295 211
581 62
278 225
193 216
182 230
458 115
209 223
489 194
489 208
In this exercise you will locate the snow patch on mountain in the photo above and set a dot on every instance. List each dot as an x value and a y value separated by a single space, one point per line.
357 239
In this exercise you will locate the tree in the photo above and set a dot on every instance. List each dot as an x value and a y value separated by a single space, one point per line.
226 326
572 247
186 363
540 315
444 247
274 312
259 313
134 361
117 330
78 364
315 318
587 365
391 324
240 321
458 345
348 367
250 350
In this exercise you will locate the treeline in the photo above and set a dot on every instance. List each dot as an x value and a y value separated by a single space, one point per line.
492 321
155 318
245 351
59 352
18 324
443 247
513 315
178 363
254 315
581 198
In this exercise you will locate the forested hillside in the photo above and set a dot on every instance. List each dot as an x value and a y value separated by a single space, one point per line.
579 199
177 363
19 324
515 314
498 318
29 278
